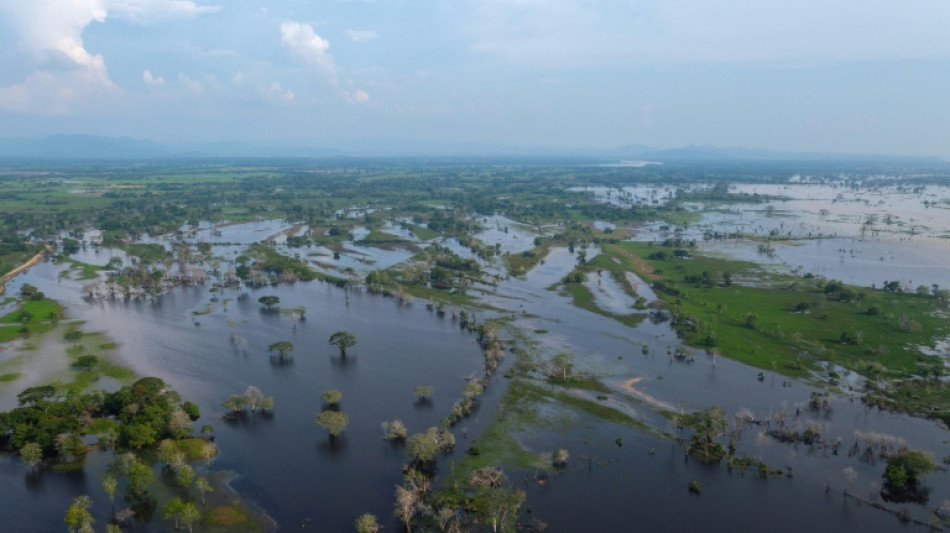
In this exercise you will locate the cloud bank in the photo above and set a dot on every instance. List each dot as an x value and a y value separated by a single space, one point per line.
50 32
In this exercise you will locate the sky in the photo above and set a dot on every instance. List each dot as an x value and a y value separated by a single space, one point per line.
854 76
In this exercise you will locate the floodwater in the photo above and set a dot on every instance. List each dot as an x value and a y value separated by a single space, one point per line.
292 470
285 464
860 235
511 236
639 490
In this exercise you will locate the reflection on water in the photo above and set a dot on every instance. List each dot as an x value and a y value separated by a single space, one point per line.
285 463
293 469
868 234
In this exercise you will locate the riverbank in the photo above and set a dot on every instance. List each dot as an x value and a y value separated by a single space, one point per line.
23 268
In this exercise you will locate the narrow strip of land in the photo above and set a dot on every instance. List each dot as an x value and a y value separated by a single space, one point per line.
22 268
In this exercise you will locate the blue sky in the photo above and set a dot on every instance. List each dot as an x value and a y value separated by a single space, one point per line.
861 76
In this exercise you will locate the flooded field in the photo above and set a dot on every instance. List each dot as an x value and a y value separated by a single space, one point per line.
209 345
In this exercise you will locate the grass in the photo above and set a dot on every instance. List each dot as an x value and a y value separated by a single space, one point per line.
584 299
380 237
780 337
272 261
601 411
100 425
37 311
82 380
11 332
7 378
439 295
93 344
114 371
497 445
191 448
584 383
85 271
150 253
423 233
521 263
13 255
520 412
8 333
229 518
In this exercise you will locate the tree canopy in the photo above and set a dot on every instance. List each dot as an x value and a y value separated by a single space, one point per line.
333 421
343 340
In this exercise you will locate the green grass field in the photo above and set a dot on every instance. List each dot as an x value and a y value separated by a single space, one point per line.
33 312
786 323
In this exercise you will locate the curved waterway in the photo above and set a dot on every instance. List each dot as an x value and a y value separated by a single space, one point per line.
297 475
284 463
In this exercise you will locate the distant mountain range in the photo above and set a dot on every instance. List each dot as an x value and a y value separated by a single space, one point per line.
91 147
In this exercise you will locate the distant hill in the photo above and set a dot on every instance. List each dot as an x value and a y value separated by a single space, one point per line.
714 153
79 147
91 147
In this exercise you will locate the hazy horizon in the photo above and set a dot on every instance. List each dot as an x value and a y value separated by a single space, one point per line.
851 77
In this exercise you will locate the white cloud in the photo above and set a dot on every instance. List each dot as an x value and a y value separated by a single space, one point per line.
356 96
314 51
147 11
285 95
190 84
309 47
50 32
151 80
361 36
55 93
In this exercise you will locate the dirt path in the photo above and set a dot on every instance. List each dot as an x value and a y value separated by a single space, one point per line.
628 386
22 268
644 270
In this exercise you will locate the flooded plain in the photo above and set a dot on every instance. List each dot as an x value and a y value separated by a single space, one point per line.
619 478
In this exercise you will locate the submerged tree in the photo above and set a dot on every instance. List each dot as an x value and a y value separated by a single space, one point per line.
422 448
269 301
253 399
109 486
424 392
173 510
367 523
902 476
203 486
31 454
35 395
78 518
332 397
707 425
394 430
333 421
190 515
283 349
343 340
562 366
407 503
140 477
